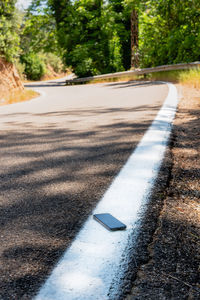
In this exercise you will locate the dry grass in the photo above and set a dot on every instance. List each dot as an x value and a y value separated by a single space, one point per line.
106 80
117 79
19 96
172 269
172 76
190 78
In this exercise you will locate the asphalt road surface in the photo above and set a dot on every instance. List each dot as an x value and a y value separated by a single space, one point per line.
58 155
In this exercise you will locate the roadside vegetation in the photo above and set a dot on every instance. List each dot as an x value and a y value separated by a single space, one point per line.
29 40
191 77
97 35
92 37
18 96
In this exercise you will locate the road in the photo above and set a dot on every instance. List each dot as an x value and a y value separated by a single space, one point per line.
58 155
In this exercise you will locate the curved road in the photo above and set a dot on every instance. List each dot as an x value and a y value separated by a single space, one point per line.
58 155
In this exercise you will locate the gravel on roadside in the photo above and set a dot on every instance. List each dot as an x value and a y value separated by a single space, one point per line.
172 268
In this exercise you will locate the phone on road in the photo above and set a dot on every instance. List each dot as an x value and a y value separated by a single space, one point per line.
110 222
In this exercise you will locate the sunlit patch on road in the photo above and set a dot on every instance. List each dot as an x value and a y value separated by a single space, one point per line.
126 198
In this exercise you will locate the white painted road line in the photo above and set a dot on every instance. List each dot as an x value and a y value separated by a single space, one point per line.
90 266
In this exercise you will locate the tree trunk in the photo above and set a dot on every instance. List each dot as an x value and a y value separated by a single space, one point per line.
134 40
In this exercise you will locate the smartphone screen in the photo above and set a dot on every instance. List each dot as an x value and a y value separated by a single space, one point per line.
110 222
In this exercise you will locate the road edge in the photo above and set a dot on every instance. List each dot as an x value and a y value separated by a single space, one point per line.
95 272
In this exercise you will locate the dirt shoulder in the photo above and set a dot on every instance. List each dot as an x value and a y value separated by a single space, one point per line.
171 271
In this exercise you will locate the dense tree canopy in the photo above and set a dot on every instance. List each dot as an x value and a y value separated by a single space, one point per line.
94 36
170 32
9 29
38 33
86 29
121 13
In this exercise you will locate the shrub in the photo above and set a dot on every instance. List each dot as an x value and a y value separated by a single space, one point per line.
82 63
54 61
34 66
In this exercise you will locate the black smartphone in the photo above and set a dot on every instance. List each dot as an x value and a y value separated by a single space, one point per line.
110 222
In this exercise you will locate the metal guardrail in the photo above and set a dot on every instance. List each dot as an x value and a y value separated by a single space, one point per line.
137 72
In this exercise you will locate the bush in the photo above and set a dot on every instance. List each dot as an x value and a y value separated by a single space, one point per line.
54 61
82 63
34 66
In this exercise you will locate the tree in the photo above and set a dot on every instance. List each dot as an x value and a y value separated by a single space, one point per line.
9 30
38 32
170 32
87 32
122 22
134 39
97 36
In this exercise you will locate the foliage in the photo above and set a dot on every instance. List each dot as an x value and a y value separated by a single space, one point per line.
38 31
94 36
54 61
169 32
9 30
121 11
169 76
191 78
40 49
86 30
34 66
115 53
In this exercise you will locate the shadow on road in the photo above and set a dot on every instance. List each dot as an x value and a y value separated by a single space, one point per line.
45 84
116 85
51 179
52 176
141 83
